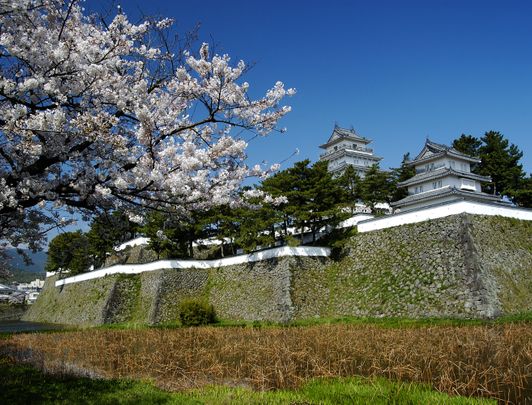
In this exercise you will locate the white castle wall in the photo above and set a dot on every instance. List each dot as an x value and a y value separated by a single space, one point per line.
304 251
133 242
366 225
444 210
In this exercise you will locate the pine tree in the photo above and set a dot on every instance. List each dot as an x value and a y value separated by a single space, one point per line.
153 228
69 251
298 195
350 184
172 236
468 144
283 183
223 225
523 196
500 160
181 233
255 227
108 230
400 174
377 187
325 198
313 198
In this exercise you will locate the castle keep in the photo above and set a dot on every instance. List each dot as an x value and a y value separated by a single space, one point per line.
345 147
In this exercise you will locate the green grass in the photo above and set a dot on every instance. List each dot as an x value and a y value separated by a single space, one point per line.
23 384
382 322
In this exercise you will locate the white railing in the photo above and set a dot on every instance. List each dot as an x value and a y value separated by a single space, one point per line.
302 251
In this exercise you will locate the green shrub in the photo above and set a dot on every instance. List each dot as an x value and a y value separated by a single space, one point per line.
194 313
292 241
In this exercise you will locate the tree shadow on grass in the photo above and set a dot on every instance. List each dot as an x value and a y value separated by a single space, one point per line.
23 384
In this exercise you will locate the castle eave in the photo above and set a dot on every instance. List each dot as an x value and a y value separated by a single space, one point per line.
438 155
437 150
349 152
345 138
444 192
439 173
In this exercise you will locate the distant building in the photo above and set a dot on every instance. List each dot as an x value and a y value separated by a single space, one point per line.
443 174
10 295
4 289
32 296
345 147
35 285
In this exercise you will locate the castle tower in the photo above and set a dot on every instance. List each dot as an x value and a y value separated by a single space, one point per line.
443 174
346 147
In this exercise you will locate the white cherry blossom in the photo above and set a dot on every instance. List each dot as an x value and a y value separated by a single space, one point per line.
100 116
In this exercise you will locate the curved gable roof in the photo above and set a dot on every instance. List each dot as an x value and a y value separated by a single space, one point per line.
340 134
433 150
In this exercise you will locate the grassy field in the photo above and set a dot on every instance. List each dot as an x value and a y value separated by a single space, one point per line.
348 320
487 360
24 384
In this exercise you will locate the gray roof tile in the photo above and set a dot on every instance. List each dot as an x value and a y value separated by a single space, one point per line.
439 173
430 195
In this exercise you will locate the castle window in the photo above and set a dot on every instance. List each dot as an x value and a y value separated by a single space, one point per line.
436 184
468 185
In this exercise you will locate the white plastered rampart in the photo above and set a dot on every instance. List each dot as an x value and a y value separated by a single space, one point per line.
303 251
444 210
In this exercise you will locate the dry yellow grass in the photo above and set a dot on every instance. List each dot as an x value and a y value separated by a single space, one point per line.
492 360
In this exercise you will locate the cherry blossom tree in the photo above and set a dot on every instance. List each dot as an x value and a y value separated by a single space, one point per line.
104 115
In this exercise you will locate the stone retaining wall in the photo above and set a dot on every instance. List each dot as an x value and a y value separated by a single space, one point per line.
461 266
464 266
11 312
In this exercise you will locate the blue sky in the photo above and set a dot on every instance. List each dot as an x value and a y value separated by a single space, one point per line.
397 71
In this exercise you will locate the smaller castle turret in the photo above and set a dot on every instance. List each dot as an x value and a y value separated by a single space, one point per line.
443 174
